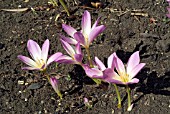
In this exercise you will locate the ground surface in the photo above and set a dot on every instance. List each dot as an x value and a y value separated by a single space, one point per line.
131 25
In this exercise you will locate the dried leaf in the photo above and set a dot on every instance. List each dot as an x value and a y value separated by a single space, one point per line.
15 10
26 1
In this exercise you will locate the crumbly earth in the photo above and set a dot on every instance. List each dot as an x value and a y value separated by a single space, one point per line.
131 25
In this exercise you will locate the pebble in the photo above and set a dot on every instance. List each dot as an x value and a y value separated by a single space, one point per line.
153 98
45 111
39 112
26 99
146 102
59 104
20 82
135 96
42 102
113 111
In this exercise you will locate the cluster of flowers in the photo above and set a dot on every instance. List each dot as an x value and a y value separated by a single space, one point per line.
115 72
168 15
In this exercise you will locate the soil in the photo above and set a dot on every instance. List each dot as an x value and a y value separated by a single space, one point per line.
131 25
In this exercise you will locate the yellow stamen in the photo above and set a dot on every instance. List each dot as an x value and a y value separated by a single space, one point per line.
40 63
124 77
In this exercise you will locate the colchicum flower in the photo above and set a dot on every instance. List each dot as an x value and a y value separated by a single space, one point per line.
87 34
87 103
99 68
75 57
122 75
54 82
39 57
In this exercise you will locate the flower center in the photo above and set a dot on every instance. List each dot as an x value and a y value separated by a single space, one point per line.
40 63
124 77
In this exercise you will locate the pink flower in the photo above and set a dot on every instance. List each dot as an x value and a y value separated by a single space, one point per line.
75 54
99 68
39 57
54 82
122 75
87 34
87 103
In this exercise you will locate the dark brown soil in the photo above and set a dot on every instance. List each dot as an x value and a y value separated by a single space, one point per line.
131 25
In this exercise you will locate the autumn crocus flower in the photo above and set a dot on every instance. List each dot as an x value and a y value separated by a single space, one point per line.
75 54
98 70
125 76
54 82
40 58
87 103
87 33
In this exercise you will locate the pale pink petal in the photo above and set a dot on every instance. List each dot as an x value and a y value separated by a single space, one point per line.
54 57
30 68
45 49
80 38
110 61
69 30
34 50
133 61
27 61
86 23
78 49
100 64
136 70
133 81
54 82
95 32
96 23
112 77
119 65
94 73
68 48
78 58
68 39
66 59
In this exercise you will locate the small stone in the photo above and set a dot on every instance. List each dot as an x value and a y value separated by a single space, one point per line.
135 96
20 82
153 98
42 102
45 111
59 104
106 96
146 102
113 111
26 99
